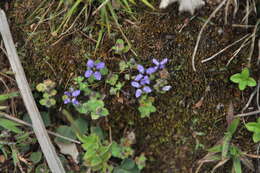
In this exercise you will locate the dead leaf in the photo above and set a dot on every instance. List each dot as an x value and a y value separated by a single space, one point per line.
69 149
199 103
2 158
230 113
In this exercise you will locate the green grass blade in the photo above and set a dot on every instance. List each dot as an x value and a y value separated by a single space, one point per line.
4 97
148 4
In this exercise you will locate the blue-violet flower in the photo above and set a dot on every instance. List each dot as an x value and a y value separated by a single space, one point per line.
72 96
94 69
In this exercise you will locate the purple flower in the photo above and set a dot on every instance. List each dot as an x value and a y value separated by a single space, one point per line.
94 69
145 89
135 84
140 83
71 96
151 70
140 68
160 65
145 80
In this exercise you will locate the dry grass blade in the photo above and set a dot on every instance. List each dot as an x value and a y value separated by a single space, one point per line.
220 163
248 163
205 159
258 60
245 43
257 95
202 29
227 47
253 43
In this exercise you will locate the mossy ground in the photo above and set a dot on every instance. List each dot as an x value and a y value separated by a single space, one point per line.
168 137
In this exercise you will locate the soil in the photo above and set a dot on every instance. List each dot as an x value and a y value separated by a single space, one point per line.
197 103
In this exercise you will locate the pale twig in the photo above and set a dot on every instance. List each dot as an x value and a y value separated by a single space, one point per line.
2 48
226 11
238 50
75 20
257 95
253 43
258 60
85 35
202 29
102 5
243 26
29 125
250 100
247 114
227 47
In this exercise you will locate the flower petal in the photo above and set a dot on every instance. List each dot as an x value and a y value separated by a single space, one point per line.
135 84
166 88
155 61
75 101
145 80
138 77
76 93
164 61
88 73
97 75
140 68
151 70
147 89
90 63
67 93
100 65
138 93
66 101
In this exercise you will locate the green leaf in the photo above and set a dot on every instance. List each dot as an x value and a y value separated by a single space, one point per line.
256 137
112 79
233 126
236 78
81 124
53 92
146 106
65 131
41 87
140 161
127 166
253 127
123 66
98 132
216 149
237 165
15 155
225 145
10 125
245 73
94 104
117 150
251 82
242 85
104 71
8 96
36 157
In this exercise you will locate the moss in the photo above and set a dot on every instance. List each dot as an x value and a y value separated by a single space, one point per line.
167 136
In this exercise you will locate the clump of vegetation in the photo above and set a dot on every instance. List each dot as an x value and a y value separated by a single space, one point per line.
243 79
255 128
49 91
